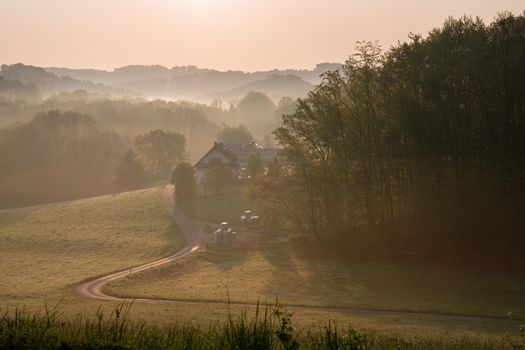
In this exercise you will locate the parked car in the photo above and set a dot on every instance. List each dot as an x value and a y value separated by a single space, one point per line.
248 217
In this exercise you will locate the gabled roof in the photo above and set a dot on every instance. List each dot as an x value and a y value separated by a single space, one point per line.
227 154
244 151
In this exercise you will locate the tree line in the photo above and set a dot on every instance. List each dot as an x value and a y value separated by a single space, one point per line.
421 146
199 123
85 144
64 155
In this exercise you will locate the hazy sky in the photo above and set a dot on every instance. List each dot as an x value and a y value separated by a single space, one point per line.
223 34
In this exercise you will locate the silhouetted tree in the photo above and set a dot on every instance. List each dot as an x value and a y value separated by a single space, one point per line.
431 131
218 176
67 151
160 151
239 134
286 105
183 177
129 174
257 112
15 90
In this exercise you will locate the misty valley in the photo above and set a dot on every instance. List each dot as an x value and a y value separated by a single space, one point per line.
377 202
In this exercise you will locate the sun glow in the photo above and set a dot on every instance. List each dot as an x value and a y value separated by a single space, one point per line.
201 4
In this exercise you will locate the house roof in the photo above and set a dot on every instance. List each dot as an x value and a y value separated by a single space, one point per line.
244 151
233 152
227 154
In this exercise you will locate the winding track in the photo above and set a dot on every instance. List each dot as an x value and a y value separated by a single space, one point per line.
94 289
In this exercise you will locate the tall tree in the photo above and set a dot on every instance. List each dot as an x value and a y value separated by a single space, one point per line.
160 151
257 112
432 131
129 174
240 135
183 177
218 176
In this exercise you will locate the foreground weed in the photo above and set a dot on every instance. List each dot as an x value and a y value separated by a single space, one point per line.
270 328
286 329
520 344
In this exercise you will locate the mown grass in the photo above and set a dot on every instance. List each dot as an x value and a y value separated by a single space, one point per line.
270 327
46 249
261 266
258 267
296 280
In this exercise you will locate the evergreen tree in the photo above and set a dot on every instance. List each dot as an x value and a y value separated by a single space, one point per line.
129 174
239 135
183 178
218 176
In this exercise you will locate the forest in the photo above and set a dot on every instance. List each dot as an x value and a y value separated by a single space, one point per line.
419 149
73 142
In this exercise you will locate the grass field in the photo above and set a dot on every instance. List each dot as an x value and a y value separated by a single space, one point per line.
266 329
46 249
254 268
259 267
264 274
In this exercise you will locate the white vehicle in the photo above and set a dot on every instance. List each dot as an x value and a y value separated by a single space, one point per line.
248 217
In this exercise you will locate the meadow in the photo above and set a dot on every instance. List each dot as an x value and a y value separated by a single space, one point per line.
260 267
264 273
46 250
268 328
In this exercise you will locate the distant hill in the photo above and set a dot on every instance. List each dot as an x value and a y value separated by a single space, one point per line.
49 83
176 83
201 84
12 90
276 86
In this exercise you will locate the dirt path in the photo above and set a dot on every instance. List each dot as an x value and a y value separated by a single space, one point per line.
94 289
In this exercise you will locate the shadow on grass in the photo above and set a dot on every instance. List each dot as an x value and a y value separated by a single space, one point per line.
226 258
216 208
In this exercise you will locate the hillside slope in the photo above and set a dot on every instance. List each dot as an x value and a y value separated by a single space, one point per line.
46 249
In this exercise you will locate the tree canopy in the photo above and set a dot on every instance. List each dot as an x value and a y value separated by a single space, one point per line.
129 174
160 151
57 156
183 177
431 131
239 135
256 110
218 176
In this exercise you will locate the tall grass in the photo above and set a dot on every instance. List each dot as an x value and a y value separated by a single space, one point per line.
270 328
